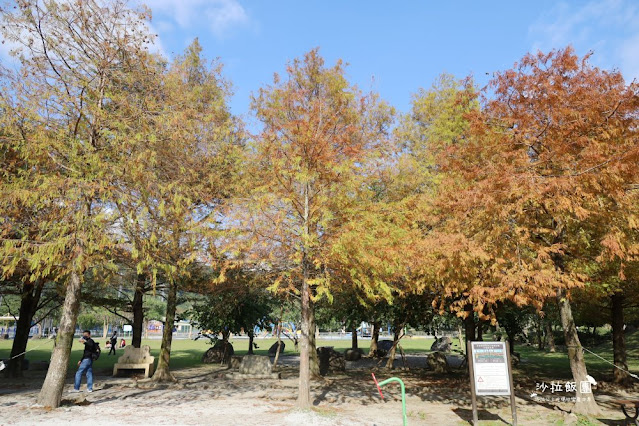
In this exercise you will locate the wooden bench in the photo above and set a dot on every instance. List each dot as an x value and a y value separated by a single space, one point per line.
136 359
625 403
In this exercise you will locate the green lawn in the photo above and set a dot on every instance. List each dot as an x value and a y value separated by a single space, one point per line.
539 364
187 353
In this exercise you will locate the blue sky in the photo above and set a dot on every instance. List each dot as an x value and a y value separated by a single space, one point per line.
393 47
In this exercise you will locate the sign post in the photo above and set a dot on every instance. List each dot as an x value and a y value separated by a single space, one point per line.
490 373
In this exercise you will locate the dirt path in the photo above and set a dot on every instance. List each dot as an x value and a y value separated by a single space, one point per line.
205 396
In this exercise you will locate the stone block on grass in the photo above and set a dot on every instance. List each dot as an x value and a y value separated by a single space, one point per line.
256 364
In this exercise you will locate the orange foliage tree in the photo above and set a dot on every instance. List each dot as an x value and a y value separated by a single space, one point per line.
551 153
319 132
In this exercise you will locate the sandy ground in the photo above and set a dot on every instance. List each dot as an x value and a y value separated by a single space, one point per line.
204 395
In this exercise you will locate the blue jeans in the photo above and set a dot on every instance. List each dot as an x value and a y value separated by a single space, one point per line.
86 366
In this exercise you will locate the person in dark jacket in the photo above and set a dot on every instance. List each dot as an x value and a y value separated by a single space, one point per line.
85 365
114 341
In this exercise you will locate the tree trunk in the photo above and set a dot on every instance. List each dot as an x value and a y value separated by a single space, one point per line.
586 403
309 363
511 342
30 298
469 324
226 358
105 327
51 392
354 337
619 339
162 373
138 311
312 342
374 339
308 332
550 338
399 333
539 331
279 339
250 348
480 331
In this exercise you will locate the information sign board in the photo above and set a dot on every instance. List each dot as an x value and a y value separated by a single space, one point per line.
490 367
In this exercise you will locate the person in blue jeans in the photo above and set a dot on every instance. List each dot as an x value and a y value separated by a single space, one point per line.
85 365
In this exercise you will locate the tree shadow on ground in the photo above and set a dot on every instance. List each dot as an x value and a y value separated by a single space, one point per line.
611 422
74 402
615 406
467 415
340 391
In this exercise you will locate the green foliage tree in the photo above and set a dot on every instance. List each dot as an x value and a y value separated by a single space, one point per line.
89 320
31 303
408 309
236 305
437 119
513 319
175 187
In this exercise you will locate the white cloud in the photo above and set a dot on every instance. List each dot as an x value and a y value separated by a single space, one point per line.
223 15
610 28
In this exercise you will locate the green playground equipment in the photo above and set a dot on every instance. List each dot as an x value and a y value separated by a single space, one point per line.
401 384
